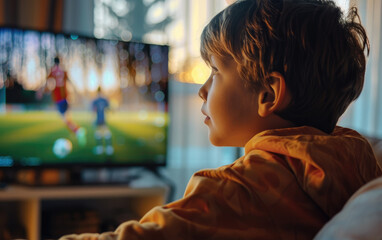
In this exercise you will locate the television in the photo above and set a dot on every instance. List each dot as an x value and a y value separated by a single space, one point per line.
72 101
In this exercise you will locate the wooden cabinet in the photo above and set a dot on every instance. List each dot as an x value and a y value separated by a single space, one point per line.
34 207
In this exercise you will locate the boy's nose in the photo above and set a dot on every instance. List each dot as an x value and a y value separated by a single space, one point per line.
203 92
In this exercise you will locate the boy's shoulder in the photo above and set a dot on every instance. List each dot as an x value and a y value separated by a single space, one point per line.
307 147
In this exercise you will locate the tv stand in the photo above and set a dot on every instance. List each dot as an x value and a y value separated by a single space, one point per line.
111 204
74 177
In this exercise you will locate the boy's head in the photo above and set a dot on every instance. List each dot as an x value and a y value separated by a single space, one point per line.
318 52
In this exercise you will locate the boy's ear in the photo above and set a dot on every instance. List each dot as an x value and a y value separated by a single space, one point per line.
272 97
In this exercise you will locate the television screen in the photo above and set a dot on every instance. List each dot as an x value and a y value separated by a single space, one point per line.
69 100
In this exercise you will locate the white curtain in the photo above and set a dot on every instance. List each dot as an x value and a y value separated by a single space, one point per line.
365 114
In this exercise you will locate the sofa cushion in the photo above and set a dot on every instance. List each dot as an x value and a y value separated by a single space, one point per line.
361 217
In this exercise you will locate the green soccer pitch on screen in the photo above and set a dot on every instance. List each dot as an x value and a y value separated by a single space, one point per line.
67 100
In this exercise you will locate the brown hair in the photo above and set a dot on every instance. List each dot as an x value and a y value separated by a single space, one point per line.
318 51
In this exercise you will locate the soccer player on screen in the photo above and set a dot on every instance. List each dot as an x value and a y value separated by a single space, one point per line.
59 78
102 134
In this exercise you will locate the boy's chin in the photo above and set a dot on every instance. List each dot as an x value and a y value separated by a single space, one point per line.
224 142
219 142
214 140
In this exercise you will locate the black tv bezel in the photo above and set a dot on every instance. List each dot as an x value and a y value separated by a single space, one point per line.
106 164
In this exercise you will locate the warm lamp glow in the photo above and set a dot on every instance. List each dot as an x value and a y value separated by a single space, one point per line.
200 73
195 72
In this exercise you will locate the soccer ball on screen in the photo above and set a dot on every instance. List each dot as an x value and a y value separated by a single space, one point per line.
62 147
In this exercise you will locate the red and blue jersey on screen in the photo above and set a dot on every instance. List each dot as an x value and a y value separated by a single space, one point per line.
59 92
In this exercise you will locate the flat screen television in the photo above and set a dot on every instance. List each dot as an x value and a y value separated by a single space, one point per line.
67 100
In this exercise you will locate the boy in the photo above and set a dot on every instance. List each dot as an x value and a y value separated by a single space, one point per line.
283 72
